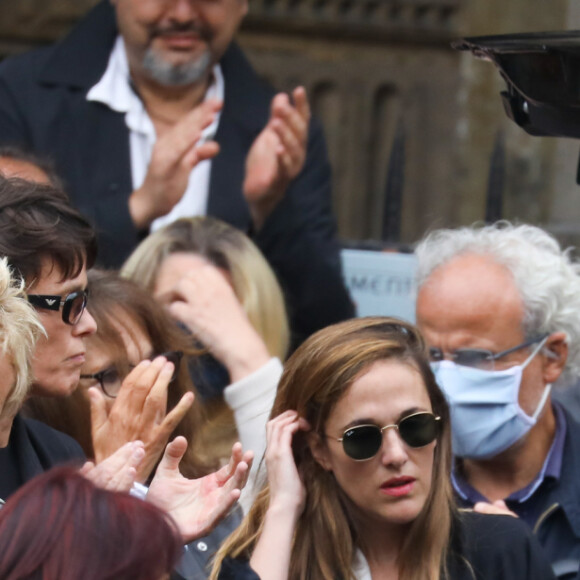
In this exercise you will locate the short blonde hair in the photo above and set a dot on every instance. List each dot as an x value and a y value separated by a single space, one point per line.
20 328
226 247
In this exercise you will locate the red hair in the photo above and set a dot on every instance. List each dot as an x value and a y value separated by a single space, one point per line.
60 526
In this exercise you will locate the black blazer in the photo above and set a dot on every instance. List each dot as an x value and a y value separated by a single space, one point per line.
43 107
38 447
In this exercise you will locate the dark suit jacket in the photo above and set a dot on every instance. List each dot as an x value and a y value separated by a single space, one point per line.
39 447
43 107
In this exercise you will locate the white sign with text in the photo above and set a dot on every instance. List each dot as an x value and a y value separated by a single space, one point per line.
381 283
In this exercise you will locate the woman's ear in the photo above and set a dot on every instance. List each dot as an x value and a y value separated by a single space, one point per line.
319 451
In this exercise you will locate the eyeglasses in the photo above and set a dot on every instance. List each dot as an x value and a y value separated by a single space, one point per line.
363 442
73 305
111 378
479 358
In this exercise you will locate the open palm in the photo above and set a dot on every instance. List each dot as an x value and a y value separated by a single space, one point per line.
197 505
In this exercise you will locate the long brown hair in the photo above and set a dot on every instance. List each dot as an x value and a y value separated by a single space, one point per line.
113 299
315 377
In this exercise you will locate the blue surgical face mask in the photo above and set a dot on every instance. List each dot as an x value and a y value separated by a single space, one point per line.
486 417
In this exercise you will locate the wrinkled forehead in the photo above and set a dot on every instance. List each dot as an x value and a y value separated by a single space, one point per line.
471 302
472 288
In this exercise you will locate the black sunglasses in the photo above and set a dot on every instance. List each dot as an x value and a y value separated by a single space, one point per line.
363 442
111 379
73 305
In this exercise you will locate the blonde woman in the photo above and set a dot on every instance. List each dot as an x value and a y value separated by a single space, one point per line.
358 464
215 282
172 250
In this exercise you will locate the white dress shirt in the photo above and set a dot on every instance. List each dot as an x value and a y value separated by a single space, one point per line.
114 90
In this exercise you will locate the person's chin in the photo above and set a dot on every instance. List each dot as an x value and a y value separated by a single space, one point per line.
63 386
177 68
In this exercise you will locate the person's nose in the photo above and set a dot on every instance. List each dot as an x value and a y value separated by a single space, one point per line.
393 450
86 326
183 10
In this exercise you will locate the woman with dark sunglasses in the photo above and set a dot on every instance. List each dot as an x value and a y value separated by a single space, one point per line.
358 462
141 389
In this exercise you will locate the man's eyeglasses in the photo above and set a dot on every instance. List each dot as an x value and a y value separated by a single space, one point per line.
479 358
111 378
363 442
73 305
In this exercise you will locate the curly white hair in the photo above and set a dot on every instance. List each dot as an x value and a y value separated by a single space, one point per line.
547 277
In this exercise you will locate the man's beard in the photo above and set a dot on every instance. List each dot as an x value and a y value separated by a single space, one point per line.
176 75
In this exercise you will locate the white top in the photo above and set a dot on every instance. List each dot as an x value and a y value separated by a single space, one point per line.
360 567
116 91
251 400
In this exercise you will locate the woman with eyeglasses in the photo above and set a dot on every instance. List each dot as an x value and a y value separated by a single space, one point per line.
134 337
215 282
358 463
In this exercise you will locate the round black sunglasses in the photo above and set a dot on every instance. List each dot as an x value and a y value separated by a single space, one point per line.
363 442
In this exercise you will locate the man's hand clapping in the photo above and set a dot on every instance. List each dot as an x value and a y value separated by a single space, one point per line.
277 155
175 154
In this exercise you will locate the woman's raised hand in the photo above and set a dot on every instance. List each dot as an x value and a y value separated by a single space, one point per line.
286 487
205 302
271 557
139 413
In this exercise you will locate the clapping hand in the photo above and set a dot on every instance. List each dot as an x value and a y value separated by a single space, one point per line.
197 505
175 154
138 413
118 471
277 155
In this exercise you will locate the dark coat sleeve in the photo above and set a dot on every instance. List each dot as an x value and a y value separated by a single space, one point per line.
87 142
299 241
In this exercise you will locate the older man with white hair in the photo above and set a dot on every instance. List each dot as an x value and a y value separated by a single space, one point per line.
499 307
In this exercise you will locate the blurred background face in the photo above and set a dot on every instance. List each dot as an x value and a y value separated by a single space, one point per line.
175 42
391 487
103 356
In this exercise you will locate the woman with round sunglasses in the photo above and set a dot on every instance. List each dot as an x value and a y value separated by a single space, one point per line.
358 464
